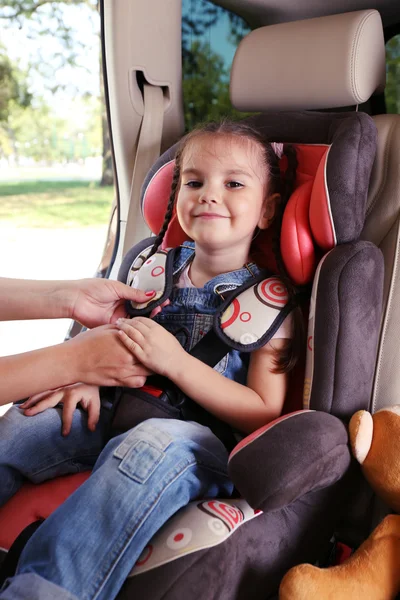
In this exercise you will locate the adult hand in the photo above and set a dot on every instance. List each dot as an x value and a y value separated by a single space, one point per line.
157 310
87 396
96 302
99 357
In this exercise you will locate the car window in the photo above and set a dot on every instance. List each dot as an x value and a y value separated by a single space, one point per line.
392 91
210 35
56 187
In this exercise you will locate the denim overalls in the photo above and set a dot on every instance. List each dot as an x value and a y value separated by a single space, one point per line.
190 313
139 480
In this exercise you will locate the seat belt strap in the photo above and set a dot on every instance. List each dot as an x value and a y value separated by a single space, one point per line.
148 150
209 350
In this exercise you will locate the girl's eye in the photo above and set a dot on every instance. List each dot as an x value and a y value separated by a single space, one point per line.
193 184
234 184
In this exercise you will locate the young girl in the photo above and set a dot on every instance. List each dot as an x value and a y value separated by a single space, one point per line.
226 186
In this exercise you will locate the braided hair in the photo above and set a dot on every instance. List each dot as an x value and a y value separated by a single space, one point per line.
176 178
286 357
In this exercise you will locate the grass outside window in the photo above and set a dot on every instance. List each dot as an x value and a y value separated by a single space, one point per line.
55 204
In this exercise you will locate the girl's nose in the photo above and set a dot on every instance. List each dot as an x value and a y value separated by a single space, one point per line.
209 195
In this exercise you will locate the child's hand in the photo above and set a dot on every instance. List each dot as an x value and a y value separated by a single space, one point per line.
70 396
151 344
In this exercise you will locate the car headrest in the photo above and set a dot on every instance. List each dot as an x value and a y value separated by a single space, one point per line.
335 153
326 62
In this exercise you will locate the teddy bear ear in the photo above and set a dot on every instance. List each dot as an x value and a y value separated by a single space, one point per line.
361 428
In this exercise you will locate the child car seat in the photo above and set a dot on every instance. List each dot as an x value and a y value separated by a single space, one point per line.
301 484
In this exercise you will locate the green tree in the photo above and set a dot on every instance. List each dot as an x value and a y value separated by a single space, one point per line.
38 134
13 86
205 86
49 18
203 100
392 91
13 93
205 73
32 132
197 18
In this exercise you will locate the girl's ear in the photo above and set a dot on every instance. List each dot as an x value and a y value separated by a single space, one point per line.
268 211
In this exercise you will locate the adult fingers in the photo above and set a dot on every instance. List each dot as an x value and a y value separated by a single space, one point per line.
130 293
119 313
133 376
139 369
32 400
157 310
93 410
48 401
67 415
135 381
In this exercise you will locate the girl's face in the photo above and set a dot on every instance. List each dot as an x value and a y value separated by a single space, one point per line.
222 193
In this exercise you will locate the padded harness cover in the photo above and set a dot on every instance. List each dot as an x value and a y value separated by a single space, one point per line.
247 319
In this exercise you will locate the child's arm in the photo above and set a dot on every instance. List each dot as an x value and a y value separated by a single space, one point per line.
95 357
87 396
244 407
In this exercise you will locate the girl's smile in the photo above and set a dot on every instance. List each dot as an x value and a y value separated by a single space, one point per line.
209 215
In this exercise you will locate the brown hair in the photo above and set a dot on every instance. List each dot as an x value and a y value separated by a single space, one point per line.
286 357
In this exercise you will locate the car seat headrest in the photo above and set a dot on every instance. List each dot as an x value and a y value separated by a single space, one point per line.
335 153
325 62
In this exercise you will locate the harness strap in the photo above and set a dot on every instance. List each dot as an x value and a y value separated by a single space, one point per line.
210 350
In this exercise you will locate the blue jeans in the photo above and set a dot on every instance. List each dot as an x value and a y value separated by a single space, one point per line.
33 448
87 547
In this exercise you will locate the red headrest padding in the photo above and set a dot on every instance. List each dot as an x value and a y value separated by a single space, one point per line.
306 221
301 229
297 247
320 213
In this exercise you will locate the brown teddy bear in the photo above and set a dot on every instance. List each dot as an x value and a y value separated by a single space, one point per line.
373 571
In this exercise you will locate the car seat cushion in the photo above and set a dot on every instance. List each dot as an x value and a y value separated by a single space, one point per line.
255 557
342 339
304 451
